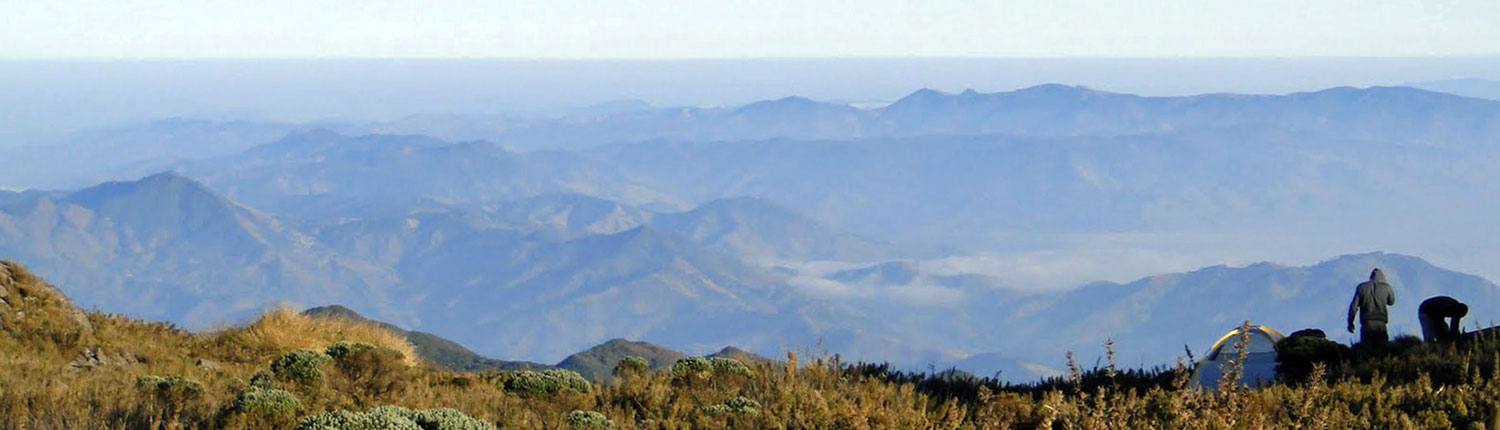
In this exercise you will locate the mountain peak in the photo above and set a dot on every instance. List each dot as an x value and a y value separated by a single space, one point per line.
790 104
161 187
335 310
921 97
743 356
168 176
1060 90
598 363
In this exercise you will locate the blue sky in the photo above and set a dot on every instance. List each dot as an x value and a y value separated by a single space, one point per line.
657 29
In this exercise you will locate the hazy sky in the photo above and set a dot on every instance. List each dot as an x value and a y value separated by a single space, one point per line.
739 29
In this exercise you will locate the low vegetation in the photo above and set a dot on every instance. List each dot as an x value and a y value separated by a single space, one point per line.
63 369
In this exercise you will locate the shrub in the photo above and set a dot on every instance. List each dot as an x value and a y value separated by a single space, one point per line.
588 420
691 366
1296 354
342 349
700 368
172 390
263 379
739 405
394 418
546 383
371 370
632 366
729 366
264 402
346 420
300 366
447 419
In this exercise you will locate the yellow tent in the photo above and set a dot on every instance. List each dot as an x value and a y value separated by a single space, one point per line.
1260 358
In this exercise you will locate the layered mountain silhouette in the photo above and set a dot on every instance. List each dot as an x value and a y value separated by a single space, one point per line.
759 229
166 247
518 295
1044 110
639 226
552 273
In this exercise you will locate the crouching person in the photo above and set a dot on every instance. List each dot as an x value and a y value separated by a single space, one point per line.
1440 318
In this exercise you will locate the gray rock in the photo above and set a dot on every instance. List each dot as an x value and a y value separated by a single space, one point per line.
92 357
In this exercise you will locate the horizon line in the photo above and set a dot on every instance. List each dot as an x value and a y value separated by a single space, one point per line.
88 58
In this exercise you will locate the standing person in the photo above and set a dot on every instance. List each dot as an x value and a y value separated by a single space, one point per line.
1433 311
1370 299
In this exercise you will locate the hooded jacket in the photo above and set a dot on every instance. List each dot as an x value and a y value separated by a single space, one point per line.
1371 297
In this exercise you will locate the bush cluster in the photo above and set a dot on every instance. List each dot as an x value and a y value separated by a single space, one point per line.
1297 354
704 368
588 420
266 402
737 405
368 370
346 420
170 389
632 366
303 366
344 349
546 382
394 418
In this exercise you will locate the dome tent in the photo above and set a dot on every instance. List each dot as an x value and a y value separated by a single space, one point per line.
1260 358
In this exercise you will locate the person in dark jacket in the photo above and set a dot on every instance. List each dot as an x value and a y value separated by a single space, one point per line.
1370 300
1434 311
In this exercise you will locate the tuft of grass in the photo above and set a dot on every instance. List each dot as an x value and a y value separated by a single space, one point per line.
283 329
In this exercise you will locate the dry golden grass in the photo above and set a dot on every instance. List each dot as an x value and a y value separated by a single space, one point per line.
283 329
39 390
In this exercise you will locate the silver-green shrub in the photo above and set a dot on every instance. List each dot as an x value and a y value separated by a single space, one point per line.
588 420
437 419
394 418
266 402
302 366
546 383
263 379
632 366
173 389
342 349
704 368
738 405
346 420
728 366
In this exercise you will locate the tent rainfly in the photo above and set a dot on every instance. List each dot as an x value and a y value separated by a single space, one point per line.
1260 360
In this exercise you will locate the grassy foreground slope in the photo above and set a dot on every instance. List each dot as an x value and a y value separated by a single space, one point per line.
63 368
430 347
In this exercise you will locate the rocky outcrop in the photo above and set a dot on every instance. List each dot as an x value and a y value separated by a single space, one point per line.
92 358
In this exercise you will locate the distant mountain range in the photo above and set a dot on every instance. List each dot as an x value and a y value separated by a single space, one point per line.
153 246
1044 110
1472 87
951 172
778 225
167 247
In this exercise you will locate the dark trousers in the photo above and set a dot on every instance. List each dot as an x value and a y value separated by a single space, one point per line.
1372 334
1433 327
